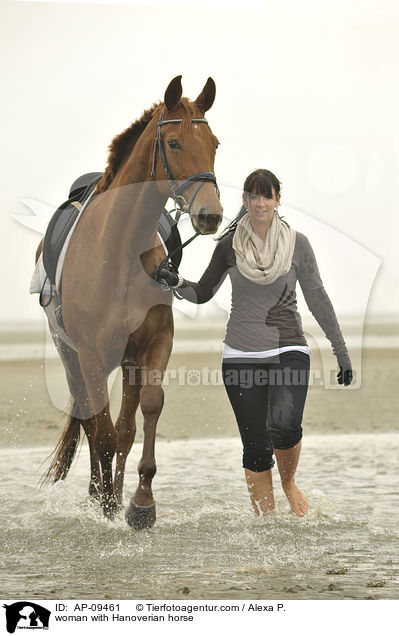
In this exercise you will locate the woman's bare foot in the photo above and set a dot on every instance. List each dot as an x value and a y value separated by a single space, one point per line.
297 499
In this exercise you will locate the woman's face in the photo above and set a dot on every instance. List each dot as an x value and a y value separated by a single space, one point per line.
260 208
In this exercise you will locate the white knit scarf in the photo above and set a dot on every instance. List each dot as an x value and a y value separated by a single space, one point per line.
263 262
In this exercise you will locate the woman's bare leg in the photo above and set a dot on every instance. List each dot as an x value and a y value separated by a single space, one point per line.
260 488
287 461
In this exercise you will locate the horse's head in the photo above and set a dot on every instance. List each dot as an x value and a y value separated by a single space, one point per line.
184 155
173 146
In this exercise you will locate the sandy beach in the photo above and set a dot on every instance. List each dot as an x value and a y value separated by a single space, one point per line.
196 405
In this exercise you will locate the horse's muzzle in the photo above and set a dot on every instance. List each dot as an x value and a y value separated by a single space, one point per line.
205 222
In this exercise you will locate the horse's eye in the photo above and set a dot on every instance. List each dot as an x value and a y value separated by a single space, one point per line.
173 144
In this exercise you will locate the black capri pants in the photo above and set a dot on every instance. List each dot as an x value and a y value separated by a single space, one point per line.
268 397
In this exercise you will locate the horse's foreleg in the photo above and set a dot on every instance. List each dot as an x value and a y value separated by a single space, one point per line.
141 511
126 425
105 435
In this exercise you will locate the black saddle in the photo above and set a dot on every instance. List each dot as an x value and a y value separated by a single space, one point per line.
63 219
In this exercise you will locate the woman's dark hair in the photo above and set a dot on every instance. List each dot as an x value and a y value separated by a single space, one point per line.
260 182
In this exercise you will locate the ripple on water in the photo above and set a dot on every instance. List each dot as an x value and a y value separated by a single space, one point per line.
58 544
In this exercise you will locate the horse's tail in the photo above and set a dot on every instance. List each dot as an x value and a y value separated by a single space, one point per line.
64 452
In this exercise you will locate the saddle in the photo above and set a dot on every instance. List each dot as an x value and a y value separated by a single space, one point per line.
65 216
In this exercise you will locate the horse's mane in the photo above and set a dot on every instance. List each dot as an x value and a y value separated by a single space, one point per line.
120 145
124 143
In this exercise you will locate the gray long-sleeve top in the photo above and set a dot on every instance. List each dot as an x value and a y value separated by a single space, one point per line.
265 317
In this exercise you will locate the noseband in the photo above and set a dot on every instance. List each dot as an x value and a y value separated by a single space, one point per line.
176 188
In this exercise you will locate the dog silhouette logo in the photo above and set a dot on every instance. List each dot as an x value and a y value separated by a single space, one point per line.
26 615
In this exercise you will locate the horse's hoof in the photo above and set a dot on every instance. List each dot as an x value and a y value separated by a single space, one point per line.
140 517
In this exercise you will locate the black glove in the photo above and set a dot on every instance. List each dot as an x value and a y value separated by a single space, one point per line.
165 277
345 373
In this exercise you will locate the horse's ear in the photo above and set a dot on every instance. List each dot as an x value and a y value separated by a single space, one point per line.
206 98
173 93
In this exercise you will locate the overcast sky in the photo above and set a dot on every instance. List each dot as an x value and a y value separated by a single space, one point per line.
306 90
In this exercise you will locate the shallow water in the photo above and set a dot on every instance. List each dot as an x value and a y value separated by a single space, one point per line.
206 542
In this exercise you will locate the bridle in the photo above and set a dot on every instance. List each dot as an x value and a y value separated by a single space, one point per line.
176 188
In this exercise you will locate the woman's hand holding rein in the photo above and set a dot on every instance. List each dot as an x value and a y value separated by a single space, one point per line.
166 277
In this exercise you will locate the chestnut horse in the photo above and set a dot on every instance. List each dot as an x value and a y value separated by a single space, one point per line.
114 313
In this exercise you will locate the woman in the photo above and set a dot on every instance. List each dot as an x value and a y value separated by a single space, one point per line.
266 357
